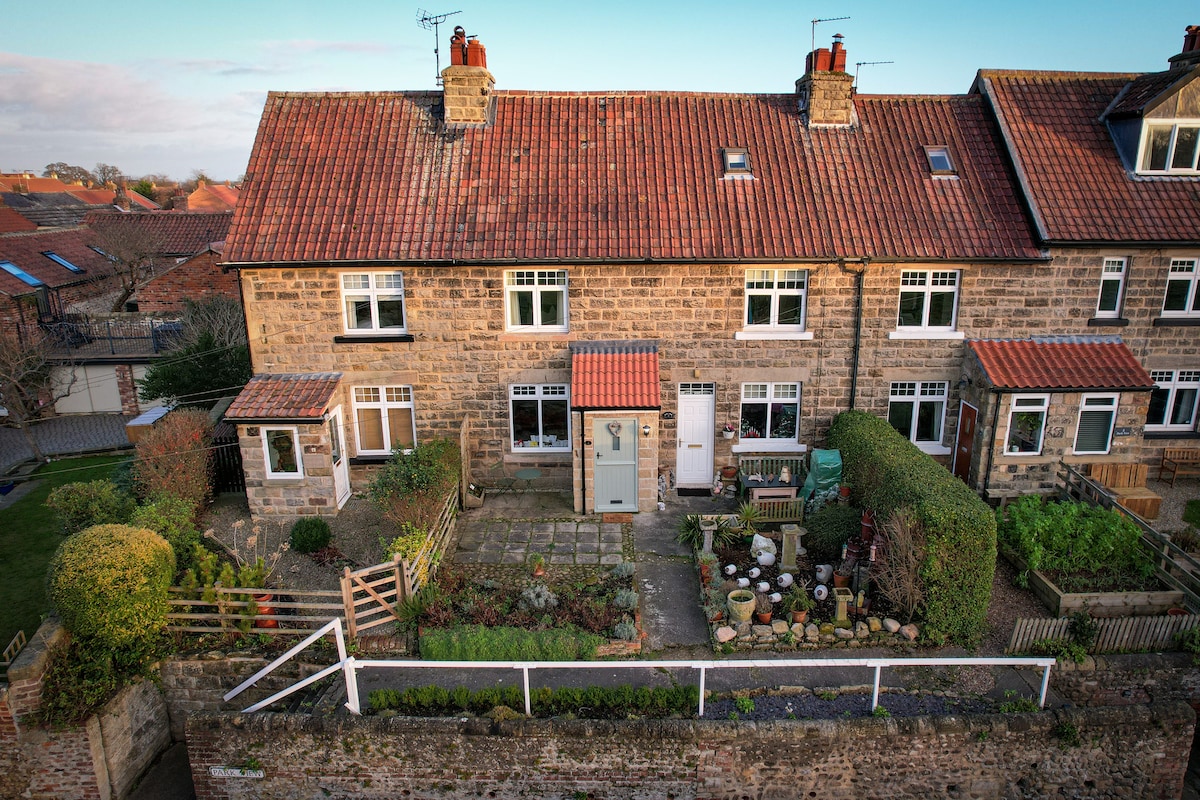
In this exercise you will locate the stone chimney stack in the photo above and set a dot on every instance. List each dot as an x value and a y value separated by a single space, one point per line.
1190 55
825 95
467 86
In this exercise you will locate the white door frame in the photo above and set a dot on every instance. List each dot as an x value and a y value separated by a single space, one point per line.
694 438
337 455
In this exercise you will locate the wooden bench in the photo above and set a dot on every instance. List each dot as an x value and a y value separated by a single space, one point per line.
1179 461
785 509
1127 484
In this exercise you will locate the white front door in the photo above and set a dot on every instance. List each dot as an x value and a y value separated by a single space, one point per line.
616 464
694 431
341 467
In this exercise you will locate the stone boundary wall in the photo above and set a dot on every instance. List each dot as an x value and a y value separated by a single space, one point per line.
1128 752
1122 680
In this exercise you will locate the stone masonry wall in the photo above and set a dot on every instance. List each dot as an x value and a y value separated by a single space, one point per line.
1118 680
1132 752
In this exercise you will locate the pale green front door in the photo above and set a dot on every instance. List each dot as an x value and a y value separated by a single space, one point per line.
616 464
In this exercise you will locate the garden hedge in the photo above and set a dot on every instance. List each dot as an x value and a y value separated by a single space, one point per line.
887 473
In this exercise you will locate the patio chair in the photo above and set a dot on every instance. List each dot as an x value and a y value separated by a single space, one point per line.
500 483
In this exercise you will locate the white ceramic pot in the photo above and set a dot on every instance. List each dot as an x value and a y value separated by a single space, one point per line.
824 573
821 592
730 569
766 559
775 597
754 572
763 587
785 580
743 583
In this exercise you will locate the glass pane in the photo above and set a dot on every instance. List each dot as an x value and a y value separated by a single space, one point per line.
758 309
282 451
929 422
335 440
520 308
1110 291
552 311
1025 432
1158 407
1156 149
790 309
783 420
389 280
524 421
400 427
1185 148
370 428
1185 407
1094 428
941 309
912 309
1177 296
391 312
754 420
358 312
900 417
554 421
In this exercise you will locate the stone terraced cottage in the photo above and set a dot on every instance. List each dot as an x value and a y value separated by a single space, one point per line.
602 282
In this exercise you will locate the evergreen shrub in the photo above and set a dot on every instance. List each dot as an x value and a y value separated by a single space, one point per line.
310 534
82 505
171 518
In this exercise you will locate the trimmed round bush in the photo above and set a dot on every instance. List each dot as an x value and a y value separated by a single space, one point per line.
310 534
109 583
171 518
82 505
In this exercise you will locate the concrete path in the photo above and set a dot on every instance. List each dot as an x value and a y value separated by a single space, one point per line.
66 435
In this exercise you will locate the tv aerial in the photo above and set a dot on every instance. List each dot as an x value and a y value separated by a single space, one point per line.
814 29
430 22
859 64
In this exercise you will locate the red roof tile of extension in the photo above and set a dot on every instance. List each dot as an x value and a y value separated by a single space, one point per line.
26 251
11 221
285 397
612 375
179 234
1077 184
622 176
1060 363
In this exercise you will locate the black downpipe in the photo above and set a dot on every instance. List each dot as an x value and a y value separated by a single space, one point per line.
582 465
858 306
987 476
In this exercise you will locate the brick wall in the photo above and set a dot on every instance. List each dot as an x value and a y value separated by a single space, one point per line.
1134 752
197 279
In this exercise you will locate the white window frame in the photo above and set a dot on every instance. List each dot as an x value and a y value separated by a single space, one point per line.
775 284
539 392
1097 403
536 282
1174 125
785 392
373 286
928 282
1171 382
1027 403
1112 271
735 161
941 165
916 394
386 399
268 469
1191 269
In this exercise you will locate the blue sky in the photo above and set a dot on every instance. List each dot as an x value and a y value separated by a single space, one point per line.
174 87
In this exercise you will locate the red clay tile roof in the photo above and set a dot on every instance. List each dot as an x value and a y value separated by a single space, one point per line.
1060 363
25 251
179 234
1145 89
11 221
285 397
1075 179
215 197
621 176
621 374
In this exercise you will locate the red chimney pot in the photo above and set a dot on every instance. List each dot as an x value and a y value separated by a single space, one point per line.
476 54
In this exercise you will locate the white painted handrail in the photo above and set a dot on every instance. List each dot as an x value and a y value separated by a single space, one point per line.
350 666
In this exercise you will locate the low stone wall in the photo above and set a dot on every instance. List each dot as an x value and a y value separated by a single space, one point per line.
1128 752
133 731
1120 680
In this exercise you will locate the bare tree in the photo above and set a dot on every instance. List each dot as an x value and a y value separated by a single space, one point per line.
131 247
107 173
68 173
29 383
898 569
221 316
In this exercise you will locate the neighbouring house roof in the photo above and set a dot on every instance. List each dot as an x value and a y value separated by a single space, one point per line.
49 209
1066 363
630 176
1140 93
26 252
1078 187
614 375
180 234
213 197
11 220
285 397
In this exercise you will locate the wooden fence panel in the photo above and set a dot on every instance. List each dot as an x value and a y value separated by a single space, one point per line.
295 611
1113 635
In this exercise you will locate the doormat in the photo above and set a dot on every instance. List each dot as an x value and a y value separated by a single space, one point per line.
693 492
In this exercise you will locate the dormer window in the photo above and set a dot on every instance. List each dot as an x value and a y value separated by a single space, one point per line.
940 163
1171 149
736 161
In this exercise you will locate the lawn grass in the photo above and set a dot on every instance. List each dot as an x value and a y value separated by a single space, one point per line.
1191 513
29 535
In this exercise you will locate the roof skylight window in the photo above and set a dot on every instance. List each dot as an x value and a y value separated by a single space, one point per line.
736 160
57 259
940 162
17 272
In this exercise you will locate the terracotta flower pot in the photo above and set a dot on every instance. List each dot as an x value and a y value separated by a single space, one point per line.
799 617
840 581
729 473
261 600
762 618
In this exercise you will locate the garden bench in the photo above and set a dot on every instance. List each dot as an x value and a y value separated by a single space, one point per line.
1127 484
778 503
1179 461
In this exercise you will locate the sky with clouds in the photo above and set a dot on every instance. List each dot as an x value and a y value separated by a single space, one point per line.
172 88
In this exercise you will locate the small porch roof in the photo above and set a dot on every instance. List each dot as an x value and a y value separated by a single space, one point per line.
614 375
292 397
1061 363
